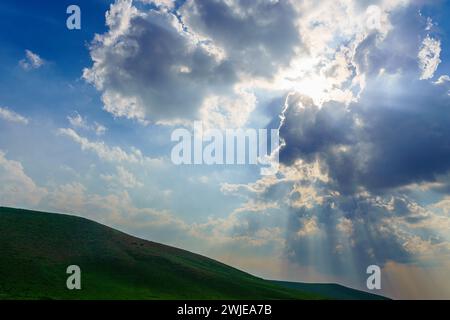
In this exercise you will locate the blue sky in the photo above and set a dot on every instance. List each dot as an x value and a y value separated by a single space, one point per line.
86 117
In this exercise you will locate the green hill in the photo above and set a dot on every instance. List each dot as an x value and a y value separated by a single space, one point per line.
37 247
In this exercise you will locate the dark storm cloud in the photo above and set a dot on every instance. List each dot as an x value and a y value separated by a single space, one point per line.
410 136
310 131
385 141
389 140
397 132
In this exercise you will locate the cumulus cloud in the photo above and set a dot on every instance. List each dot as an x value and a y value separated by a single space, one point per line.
149 68
9 115
31 61
207 59
170 67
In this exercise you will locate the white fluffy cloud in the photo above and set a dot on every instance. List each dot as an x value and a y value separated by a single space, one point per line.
149 68
429 57
9 115
31 61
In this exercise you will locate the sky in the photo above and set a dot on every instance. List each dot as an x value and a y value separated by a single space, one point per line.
360 91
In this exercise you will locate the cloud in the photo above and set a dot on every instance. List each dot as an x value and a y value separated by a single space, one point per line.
244 228
340 235
149 68
345 226
308 227
79 122
442 80
123 178
17 189
310 130
443 204
9 115
31 61
157 65
258 36
107 153
160 3
366 142
99 129
354 232
429 57
355 172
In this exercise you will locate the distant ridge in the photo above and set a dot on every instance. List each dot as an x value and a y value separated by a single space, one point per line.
332 290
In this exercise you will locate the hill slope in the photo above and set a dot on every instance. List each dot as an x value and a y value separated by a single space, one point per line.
37 247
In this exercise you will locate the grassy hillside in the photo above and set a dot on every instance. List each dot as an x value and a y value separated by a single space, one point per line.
37 247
